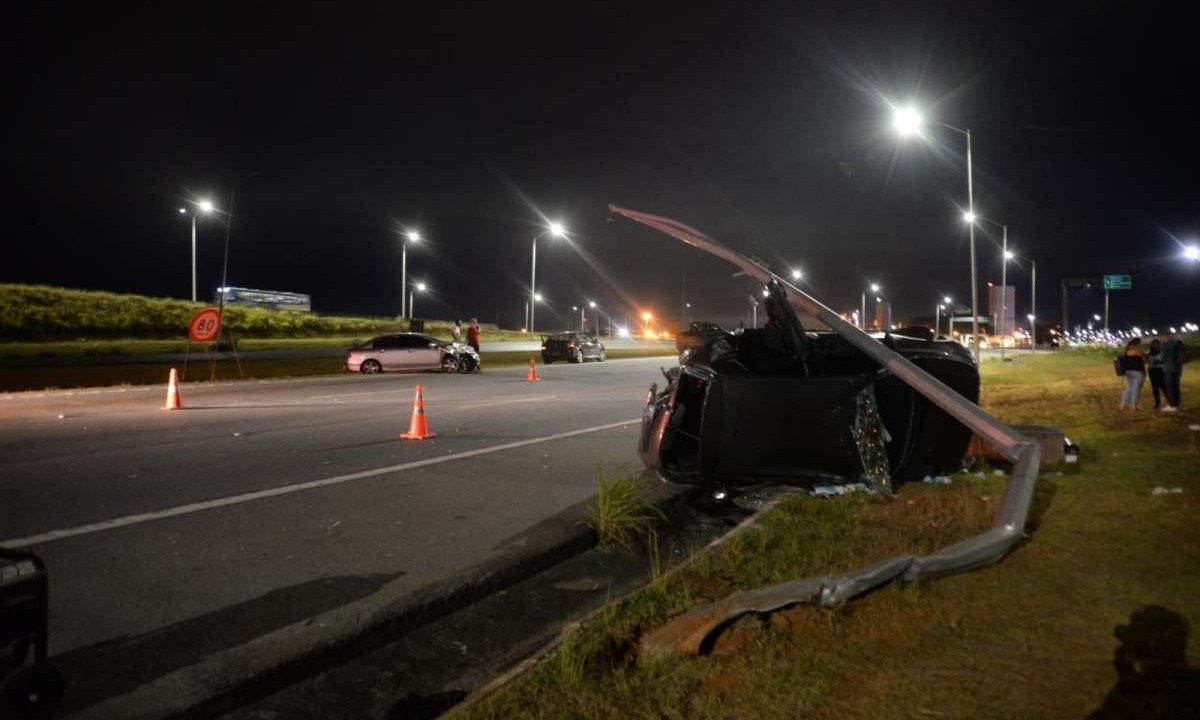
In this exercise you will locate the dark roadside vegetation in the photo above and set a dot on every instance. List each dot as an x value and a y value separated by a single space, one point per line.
1093 614
40 326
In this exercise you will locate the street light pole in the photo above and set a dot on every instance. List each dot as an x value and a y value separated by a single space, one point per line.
193 257
863 318
974 281
202 206
1003 288
533 281
417 287
1106 310
1033 305
555 230
409 236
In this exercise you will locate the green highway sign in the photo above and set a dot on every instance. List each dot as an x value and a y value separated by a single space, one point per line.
1118 282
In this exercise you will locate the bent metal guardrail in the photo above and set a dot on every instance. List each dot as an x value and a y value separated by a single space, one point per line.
687 633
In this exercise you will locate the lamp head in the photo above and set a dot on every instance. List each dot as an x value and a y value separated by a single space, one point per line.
907 121
205 206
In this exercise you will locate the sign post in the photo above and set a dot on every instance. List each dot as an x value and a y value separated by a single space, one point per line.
1114 282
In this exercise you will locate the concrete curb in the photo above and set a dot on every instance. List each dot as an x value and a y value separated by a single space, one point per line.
223 680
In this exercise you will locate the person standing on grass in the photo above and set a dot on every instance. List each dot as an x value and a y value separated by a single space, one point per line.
456 331
1172 363
1135 374
1154 368
473 334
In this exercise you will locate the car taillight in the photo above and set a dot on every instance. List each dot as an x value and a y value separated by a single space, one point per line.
571 344
543 347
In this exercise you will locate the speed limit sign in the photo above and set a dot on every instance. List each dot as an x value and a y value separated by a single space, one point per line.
204 325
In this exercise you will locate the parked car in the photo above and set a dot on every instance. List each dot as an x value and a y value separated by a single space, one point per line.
571 346
410 351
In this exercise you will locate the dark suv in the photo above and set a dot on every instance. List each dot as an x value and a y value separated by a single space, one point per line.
571 346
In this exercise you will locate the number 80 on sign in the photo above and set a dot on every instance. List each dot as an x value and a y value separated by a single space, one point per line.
204 325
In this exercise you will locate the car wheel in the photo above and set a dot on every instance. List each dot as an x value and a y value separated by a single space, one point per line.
546 360
370 367
602 356
449 364
578 357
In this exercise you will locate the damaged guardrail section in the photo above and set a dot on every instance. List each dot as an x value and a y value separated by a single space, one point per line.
688 633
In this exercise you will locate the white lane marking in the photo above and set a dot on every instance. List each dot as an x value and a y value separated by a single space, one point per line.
408 389
196 507
498 402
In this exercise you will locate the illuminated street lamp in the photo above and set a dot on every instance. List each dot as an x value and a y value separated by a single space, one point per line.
937 322
417 287
1005 256
862 320
202 207
907 122
1192 252
592 305
409 236
555 230
797 275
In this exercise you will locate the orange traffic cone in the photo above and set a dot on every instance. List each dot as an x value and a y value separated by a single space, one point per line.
417 430
531 376
174 401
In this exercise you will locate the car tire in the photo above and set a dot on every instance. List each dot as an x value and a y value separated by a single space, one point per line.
546 360
578 358
602 356
449 364
370 367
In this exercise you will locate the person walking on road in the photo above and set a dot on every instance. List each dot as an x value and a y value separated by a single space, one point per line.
1154 368
1174 355
473 334
1135 374
456 331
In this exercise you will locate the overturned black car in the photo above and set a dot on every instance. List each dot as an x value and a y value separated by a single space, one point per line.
783 403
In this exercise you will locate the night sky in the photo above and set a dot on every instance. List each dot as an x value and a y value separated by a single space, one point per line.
767 126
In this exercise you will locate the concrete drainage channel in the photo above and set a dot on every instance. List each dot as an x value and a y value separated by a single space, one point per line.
425 671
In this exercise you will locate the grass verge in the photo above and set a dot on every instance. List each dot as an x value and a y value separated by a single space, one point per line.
1032 637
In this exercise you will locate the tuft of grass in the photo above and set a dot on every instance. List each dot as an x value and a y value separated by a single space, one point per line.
621 512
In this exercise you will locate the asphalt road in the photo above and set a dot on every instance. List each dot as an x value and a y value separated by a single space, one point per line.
262 503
